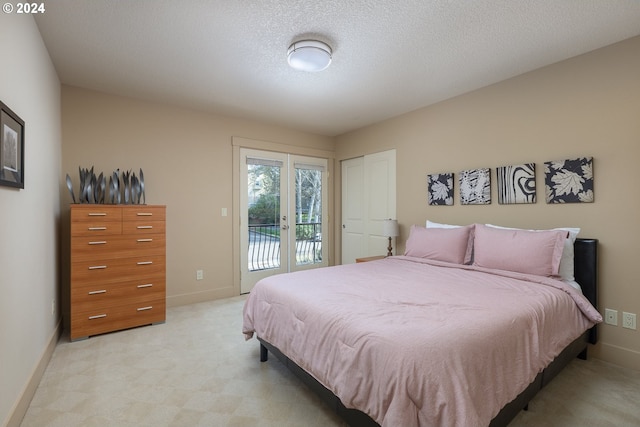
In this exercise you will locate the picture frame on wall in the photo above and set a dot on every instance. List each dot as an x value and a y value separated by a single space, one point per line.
516 184
11 148
475 186
440 189
569 181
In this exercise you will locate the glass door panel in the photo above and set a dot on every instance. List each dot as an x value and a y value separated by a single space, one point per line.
308 214
263 216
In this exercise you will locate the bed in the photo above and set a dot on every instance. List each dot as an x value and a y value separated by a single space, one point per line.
439 336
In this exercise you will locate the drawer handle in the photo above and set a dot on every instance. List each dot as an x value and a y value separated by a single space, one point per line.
144 214
145 240
97 267
145 263
101 291
100 242
145 308
98 316
147 285
97 214
144 227
97 228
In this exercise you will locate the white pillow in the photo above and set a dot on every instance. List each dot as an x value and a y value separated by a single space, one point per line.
431 224
566 270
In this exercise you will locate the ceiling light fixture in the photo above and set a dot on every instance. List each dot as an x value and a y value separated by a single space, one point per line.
309 55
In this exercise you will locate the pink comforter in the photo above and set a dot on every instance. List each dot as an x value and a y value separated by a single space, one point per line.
413 342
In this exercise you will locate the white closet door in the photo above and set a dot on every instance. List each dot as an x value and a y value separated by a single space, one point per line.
353 218
368 198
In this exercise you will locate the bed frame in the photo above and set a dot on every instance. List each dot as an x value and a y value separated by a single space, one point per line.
586 273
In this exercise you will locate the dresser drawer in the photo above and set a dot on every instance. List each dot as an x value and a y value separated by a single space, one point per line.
108 319
91 212
95 297
144 213
115 270
107 247
143 227
96 227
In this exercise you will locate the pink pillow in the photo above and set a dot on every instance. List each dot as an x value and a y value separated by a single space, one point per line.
522 251
468 257
442 244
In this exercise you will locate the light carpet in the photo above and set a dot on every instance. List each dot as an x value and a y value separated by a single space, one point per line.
197 370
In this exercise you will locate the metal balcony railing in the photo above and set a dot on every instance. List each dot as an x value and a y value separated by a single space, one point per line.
264 245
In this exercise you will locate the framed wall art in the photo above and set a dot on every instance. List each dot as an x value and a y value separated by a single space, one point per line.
475 187
11 148
516 184
440 189
569 181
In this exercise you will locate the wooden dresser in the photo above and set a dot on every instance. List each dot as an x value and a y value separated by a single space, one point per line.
117 267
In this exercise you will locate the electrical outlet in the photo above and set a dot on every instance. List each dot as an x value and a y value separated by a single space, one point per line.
53 307
628 320
199 275
611 317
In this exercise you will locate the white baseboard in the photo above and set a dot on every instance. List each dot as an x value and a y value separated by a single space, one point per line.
22 404
620 356
196 297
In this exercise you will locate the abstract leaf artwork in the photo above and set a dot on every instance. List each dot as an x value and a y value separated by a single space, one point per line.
475 187
516 184
569 181
440 189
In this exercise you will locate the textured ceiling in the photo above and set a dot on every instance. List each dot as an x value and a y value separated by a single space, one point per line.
390 57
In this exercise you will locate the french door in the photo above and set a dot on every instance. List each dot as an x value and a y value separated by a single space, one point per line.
283 205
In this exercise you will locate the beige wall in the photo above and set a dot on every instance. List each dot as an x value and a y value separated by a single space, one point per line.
187 159
586 106
28 218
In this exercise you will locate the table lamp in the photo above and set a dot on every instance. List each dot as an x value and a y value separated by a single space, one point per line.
390 229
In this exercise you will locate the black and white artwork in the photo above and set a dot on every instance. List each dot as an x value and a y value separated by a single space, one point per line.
516 184
569 181
11 148
440 189
475 187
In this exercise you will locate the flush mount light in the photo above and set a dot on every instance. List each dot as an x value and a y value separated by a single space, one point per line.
309 55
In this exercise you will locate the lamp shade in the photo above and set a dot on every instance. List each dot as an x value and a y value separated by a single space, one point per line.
309 55
390 228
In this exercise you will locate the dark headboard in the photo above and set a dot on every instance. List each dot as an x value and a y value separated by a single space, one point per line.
586 274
